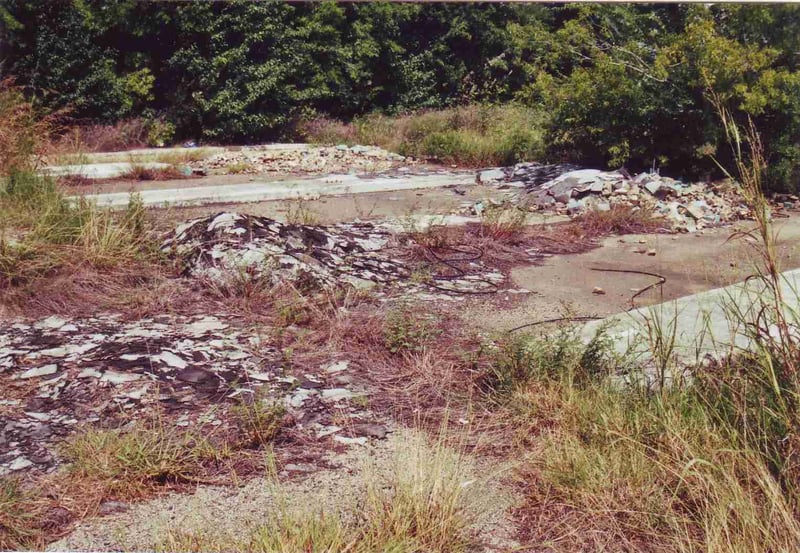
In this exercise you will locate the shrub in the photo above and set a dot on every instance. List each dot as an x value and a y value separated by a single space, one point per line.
470 135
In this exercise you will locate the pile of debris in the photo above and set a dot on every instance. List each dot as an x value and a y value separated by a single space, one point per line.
60 375
302 158
227 248
567 189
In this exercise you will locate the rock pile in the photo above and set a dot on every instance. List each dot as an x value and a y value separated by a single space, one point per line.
59 375
302 158
228 247
566 189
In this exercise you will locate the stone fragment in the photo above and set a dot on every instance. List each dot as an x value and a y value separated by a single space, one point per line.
110 507
115 377
599 291
337 394
19 463
652 187
377 431
171 359
195 376
490 175
36 372
350 441
336 367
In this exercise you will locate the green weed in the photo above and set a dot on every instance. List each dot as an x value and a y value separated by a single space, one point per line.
403 330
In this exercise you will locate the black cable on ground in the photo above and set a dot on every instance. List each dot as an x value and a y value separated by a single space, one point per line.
661 280
558 320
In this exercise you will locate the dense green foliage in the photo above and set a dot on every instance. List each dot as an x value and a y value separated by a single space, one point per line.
620 84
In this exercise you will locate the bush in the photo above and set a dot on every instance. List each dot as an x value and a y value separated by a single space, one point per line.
470 135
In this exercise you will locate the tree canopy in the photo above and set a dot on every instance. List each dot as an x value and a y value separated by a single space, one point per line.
619 84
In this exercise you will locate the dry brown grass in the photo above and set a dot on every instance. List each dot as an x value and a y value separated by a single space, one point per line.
78 289
145 173
123 135
23 132
617 221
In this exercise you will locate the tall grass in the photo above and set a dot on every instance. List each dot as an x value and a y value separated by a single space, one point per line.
708 463
40 230
469 135
22 131
639 468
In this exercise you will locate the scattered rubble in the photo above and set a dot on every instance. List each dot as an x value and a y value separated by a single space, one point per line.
59 376
568 189
303 158
228 247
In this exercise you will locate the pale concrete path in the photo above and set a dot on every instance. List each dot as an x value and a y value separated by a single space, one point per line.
110 170
329 185
709 323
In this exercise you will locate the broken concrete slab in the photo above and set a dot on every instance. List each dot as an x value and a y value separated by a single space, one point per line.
303 158
133 370
570 190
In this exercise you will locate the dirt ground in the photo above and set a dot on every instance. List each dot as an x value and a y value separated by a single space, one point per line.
690 263
558 285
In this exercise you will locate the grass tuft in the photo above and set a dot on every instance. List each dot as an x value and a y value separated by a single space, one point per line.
259 421
129 463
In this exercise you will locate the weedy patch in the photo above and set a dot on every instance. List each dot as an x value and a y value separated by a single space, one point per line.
130 463
143 172
618 220
503 222
240 167
405 330
21 513
425 502
475 135
299 213
258 420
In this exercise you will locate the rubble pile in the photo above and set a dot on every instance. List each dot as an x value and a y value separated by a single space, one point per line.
566 189
303 159
61 375
228 247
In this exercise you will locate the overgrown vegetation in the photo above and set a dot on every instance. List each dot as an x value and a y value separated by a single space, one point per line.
622 453
129 463
40 229
471 135
259 420
404 329
20 515
616 83
665 469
